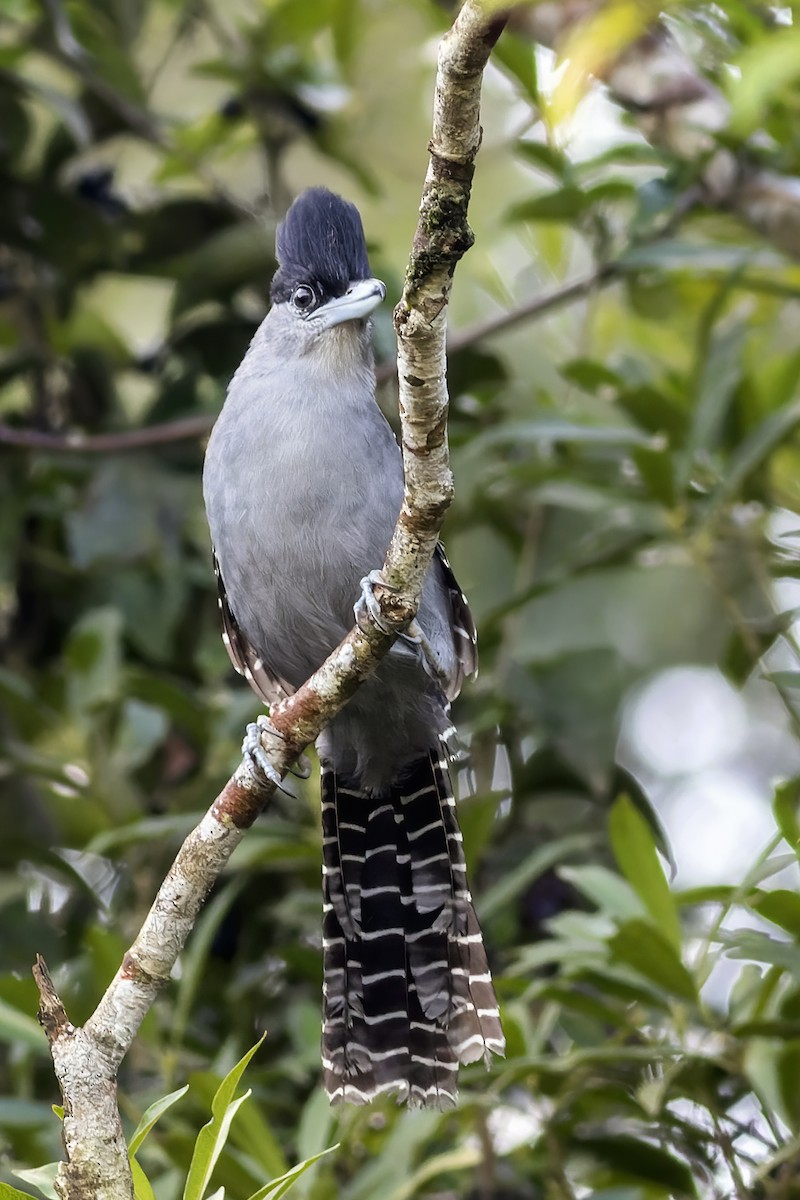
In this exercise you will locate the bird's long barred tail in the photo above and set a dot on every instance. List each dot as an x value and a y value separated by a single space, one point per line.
407 991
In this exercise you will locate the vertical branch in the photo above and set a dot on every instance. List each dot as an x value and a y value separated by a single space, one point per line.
442 237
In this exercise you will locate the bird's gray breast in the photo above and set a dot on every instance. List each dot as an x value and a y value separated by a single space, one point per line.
303 486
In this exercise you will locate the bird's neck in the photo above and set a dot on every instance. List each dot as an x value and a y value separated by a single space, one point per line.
342 352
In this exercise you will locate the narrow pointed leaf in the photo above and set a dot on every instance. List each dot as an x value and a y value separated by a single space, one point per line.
280 1186
637 858
151 1115
213 1136
142 1189
643 947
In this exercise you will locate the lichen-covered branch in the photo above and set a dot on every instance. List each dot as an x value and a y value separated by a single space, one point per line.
86 1059
442 236
97 1159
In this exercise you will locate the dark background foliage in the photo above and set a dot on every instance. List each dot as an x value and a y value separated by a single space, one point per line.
626 463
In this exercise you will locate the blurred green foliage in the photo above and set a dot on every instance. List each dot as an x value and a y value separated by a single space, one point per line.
627 465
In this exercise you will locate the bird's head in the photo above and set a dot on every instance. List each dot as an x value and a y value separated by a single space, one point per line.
323 275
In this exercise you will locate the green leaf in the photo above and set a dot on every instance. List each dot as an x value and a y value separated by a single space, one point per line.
751 943
590 375
534 865
142 728
316 1121
42 1178
765 69
224 262
637 858
7 1192
636 1159
518 56
788 1069
784 679
718 373
785 807
464 1158
780 906
655 467
280 1186
148 829
568 202
93 658
399 1151
770 866
213 1136
252 1133
142 1188
752 453
576 1000
642 946
785 1030
151 1115
761 1063
563 205
549 431
605 889
546 158
17 1028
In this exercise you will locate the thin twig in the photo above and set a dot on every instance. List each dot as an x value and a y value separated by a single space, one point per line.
535 307
187 429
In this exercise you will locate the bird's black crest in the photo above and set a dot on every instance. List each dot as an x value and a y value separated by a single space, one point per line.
320 242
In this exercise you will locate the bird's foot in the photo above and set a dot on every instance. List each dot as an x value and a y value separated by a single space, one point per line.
253 748
430 659
367 604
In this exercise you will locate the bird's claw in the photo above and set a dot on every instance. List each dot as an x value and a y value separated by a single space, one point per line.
367 604
252 748
302 768
430 660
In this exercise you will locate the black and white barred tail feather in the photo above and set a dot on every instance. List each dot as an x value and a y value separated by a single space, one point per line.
407 991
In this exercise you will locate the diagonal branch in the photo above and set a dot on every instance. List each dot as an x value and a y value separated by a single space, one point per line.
536 306
86 1060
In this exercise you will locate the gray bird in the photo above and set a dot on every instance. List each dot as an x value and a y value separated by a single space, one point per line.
303 483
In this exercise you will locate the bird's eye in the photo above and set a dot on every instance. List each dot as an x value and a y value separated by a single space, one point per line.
303 298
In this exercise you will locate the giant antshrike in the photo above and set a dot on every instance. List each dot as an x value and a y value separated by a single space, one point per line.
303 485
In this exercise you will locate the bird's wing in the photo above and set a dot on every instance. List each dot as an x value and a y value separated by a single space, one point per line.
465 635
271 688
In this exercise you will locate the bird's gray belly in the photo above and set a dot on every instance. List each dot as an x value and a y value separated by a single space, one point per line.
292 550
